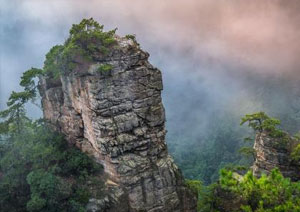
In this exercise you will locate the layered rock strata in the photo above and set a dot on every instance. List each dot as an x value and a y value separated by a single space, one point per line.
117 117
274 153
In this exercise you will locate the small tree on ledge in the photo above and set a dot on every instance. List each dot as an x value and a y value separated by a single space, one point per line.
260 122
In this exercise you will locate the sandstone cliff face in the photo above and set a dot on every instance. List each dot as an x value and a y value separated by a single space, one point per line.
272 153
117 117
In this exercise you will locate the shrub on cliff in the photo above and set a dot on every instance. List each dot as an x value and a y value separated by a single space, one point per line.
235 192
250 194
87 40
39 171
105 68
261 122
267 193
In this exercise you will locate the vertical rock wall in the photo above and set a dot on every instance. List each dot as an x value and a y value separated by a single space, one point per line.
117 117
273 153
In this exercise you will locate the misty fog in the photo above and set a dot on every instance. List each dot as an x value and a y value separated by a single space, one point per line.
219 58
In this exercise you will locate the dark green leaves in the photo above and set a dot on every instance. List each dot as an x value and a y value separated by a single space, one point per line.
86 42
51 66
248 152
261 122
41 172
255 120
105 68
14 115
19 98
27 80
85 25
267 193
295 155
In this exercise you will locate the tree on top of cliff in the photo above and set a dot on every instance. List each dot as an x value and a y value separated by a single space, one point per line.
86 42
262 122
85 25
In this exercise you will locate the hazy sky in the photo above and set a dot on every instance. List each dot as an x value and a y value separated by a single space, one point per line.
206 49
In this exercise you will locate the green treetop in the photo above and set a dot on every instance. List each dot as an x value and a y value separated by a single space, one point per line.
262 122
86 42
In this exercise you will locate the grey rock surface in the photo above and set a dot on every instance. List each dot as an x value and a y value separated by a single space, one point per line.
273 153
117 117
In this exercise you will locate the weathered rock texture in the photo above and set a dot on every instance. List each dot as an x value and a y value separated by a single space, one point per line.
272 153
118 118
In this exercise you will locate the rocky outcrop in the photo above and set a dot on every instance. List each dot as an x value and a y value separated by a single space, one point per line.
273 152
117 117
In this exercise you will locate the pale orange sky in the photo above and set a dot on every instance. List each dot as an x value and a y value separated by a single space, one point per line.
260 33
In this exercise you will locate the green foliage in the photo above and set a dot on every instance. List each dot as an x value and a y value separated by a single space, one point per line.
207 199
206 195
194 185
255 120
297 136
261 122
85 25
131 37
48 189
295 155
39 171
268 193
87 41
248 152
214 151
248 193
27 79
105 68
51 65
227 180
14 116
36 203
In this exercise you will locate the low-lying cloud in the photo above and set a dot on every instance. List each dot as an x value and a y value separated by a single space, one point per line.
215 55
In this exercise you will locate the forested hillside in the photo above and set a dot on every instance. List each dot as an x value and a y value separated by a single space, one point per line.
201 150
263 188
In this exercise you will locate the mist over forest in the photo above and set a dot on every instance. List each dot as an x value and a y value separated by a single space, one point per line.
219 61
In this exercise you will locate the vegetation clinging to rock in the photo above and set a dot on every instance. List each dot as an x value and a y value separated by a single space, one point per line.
267 193
105 68
39 171
261 122
250 194
87 40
